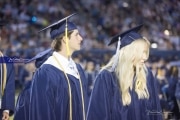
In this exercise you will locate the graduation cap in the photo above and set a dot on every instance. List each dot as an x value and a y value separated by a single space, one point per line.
124 39
127 37
59 27
41 57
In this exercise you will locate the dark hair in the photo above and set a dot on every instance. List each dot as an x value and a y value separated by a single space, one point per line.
56 44
174 71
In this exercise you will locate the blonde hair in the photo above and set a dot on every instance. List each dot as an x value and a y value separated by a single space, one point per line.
128 72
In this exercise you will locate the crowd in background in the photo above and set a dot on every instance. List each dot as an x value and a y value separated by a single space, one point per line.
98 21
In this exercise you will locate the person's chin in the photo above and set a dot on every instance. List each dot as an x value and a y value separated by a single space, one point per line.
78 49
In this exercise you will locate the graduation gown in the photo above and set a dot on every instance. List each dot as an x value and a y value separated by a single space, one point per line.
106 103
8 98
23 101
22 105
49 99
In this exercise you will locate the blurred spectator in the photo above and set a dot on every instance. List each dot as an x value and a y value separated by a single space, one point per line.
173 80
90 73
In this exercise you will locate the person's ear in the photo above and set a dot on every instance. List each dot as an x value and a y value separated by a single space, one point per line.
64 39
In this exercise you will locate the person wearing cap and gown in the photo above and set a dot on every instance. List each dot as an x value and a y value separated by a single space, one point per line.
23 100
59 87
125 88
7 85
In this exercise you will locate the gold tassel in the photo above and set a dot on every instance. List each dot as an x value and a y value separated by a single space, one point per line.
67 41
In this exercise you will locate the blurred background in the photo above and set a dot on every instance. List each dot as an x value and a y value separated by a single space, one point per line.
98 21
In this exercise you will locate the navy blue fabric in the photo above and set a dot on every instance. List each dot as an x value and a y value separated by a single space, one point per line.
127 37
41 57
8 99
106 102
49 99
60 29
22 105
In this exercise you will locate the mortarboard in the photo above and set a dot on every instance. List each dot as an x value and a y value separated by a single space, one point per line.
127 37
124 39
59 27
41 57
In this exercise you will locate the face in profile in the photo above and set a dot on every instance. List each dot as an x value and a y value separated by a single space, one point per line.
143 57
75 41
141 52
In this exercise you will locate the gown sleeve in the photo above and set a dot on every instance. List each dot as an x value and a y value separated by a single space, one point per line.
22 104
42 95
8 99
100 100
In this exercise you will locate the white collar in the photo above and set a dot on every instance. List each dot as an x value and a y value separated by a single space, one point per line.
69 66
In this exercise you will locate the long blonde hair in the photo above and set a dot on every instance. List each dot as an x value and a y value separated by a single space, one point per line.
128 72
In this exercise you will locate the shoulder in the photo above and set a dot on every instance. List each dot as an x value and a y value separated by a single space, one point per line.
49 69
106 81
105 73
48 74
105 76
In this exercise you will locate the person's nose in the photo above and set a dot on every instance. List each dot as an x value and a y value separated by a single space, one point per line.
80 38
144 57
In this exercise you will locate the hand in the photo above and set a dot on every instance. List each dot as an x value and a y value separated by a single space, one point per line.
5 115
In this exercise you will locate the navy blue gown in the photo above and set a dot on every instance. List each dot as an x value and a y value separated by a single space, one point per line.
23 101
8 98
106 103
22 105
49 99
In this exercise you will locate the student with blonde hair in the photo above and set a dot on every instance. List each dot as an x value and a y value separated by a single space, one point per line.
125 88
